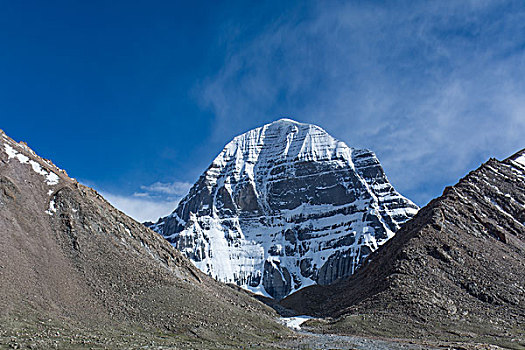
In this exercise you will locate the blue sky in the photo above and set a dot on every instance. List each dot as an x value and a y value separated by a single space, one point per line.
136 98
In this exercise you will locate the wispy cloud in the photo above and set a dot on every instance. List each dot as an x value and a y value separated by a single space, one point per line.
433 87
154 201
139 208
176 188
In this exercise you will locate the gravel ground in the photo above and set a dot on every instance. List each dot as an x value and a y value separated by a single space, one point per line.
309 340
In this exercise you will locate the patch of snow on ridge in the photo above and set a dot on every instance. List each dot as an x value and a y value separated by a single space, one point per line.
51 177
37 168
521 159
11 153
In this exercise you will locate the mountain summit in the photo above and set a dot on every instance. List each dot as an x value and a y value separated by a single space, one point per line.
285 206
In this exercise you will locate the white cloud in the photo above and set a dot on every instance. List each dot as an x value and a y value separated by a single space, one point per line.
176 188
140 209
155 201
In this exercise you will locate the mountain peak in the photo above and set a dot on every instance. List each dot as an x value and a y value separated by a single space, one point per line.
283 206
284 140
285 121
291 125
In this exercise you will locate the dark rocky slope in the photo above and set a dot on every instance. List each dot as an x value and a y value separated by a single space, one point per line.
456 271
76 272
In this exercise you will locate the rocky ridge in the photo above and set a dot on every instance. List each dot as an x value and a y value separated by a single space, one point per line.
285 206
456 271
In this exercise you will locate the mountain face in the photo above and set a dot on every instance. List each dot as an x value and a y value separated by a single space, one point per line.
455 271
285 206
77 273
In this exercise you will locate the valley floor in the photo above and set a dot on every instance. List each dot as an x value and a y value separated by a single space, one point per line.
49 335
307 340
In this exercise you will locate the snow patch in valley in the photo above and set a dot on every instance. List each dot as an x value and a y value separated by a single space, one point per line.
295 322
259 290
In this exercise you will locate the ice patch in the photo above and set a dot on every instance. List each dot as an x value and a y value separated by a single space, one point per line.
294 322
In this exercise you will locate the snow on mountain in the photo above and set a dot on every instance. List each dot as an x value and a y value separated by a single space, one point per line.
284 206
9 148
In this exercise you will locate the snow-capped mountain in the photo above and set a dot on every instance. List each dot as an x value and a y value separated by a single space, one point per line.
285 206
